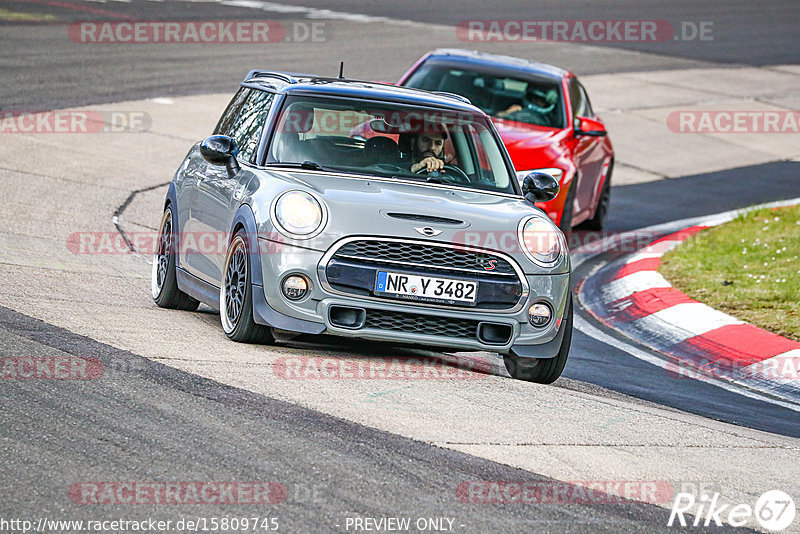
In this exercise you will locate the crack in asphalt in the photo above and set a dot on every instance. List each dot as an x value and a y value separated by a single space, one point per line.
121 209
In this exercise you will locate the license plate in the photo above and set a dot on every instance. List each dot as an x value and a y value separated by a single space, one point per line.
426 288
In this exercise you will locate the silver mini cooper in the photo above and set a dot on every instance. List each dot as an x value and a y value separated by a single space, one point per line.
327 205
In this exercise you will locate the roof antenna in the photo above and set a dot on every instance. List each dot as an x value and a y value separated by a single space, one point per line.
341 69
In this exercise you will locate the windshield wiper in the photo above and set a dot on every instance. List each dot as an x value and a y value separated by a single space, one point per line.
311 165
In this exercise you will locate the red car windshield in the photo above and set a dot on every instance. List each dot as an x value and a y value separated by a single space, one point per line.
536 102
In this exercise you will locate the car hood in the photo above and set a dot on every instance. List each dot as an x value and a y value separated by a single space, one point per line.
519 137
380 207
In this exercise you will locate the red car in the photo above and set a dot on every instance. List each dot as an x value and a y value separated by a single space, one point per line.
545 119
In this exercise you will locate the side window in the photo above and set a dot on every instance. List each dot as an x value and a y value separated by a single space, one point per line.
247 128
576 99
225 124
244 119
587 104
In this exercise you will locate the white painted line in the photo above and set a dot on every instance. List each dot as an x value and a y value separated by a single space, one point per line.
628 285
582 325
662 247
266 6
161 100
643 256
682 321
327 14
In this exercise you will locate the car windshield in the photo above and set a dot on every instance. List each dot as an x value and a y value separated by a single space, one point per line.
537 102
390 140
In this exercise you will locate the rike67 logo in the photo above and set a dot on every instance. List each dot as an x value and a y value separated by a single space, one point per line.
774 511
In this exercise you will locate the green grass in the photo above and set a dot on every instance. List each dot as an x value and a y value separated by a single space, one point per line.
747 268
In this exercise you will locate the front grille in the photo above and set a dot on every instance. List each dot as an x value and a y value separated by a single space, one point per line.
425 255
421 324
354 266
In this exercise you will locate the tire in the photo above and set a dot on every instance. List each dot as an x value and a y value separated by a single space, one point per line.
566 214
164 283
543 370
598 221
236 296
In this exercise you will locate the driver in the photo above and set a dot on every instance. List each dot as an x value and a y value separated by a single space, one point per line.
536 99
427 150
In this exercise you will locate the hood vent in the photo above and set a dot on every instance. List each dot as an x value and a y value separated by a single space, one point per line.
424 218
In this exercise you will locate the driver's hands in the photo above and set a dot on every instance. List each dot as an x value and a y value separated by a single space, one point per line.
512 109
430 164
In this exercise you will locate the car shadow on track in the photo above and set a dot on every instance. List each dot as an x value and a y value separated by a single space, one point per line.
390 355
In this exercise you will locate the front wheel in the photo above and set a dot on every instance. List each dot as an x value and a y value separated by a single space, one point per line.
164 282
543 370
599 220
236 296
565 224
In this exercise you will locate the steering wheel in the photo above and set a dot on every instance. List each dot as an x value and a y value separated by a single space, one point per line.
459 176
388 167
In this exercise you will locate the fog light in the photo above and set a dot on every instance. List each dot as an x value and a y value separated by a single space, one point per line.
295 287
539 314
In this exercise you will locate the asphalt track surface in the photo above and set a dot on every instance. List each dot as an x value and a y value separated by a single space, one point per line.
146 421
744 32
45 69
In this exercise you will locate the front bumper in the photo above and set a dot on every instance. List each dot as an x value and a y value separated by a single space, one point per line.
411 322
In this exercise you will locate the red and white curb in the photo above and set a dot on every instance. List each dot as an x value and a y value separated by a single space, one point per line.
630 296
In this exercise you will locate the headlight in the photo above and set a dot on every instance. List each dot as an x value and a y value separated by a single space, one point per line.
298 214
541 241
552 171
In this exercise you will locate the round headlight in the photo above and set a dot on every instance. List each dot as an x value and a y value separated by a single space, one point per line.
541 241
298 214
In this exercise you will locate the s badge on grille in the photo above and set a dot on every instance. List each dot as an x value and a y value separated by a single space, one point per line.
492 264
427 231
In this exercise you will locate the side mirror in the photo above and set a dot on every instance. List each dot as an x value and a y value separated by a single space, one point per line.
589 127
539 187
221 150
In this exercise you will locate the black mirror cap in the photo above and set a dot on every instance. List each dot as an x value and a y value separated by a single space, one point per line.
218 149
591 133
540 187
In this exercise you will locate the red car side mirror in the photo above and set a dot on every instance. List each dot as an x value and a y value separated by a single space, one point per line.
589 127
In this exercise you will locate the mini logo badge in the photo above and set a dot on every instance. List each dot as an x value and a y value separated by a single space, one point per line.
428 231
492 265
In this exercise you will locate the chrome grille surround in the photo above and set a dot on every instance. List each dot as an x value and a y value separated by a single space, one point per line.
464 253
